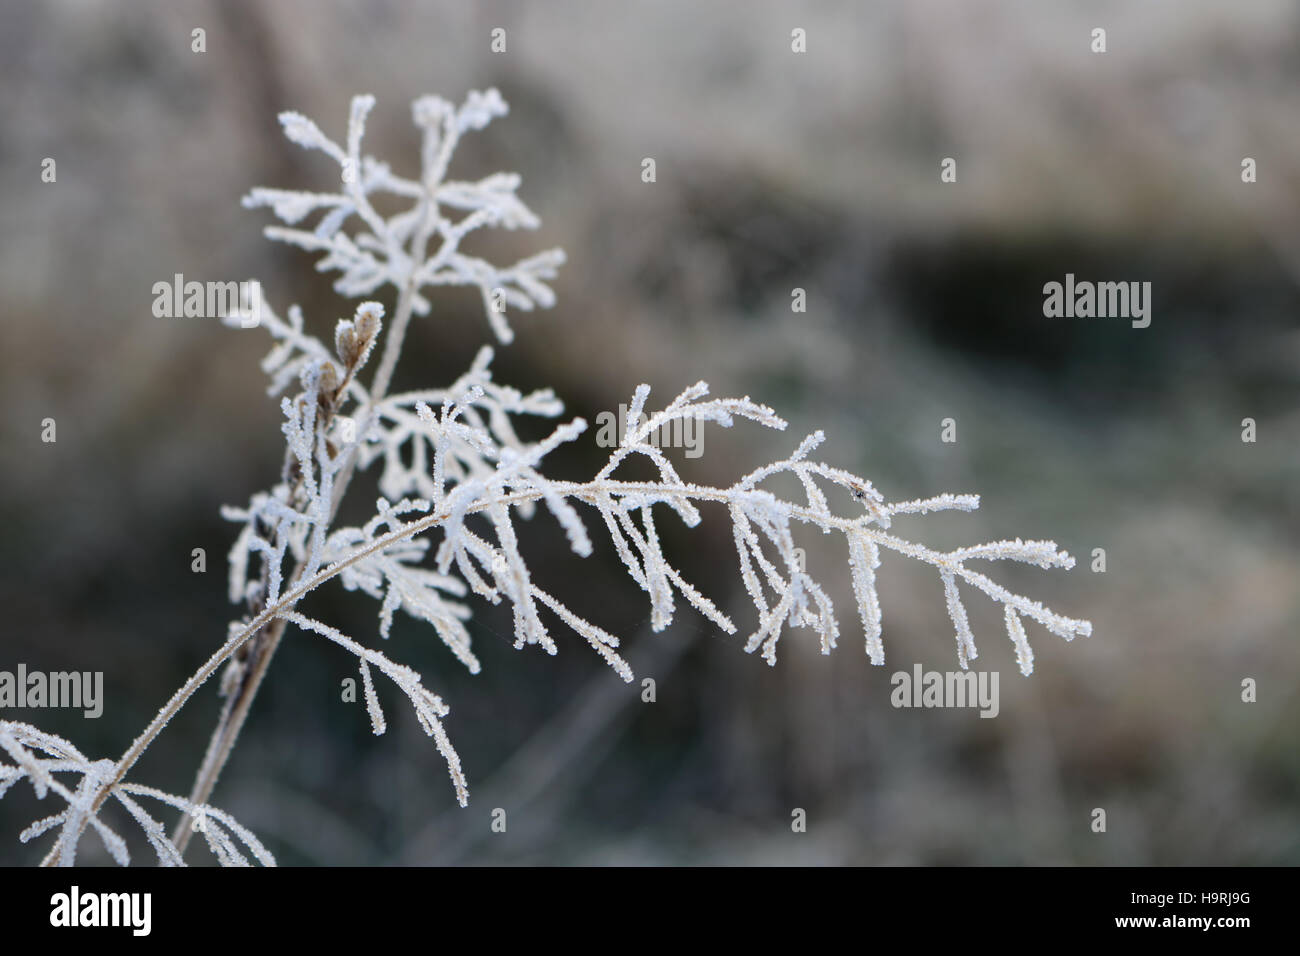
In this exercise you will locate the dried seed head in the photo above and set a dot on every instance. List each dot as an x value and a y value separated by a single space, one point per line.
368 321
329 380
346 344
366 325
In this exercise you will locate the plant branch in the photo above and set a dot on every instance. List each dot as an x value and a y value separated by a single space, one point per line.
232 718
591 493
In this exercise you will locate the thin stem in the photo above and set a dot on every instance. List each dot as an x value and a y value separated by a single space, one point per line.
230 723
392 349
168 711
232 717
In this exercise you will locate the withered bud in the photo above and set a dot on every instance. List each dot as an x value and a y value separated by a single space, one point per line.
346 344
329 379
368 321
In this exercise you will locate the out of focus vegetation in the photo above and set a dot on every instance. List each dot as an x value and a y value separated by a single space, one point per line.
775 171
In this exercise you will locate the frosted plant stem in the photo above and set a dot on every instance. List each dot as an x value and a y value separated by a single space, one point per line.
441 467
232 717
227 730
591 493
156 726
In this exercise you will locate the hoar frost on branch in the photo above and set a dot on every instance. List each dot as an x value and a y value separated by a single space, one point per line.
455 477
449 454
395 251
37 758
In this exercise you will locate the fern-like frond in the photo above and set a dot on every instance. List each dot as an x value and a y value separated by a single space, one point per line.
452 461
397 250
456 479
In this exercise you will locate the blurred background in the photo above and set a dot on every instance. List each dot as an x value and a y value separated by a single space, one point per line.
775 170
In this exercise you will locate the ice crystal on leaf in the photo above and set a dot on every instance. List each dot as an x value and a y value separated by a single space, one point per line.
455 478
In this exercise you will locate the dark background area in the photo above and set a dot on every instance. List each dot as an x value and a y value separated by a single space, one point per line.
775 170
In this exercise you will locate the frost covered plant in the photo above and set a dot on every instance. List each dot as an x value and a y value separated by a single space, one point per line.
455 478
